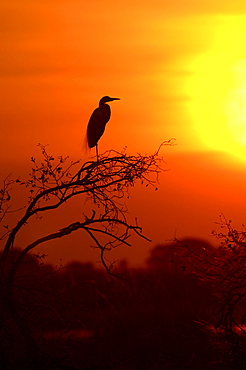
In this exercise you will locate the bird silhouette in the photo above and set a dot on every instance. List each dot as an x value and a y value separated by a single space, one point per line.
97 122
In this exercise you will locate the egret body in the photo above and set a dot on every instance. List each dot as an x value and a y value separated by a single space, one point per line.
97 122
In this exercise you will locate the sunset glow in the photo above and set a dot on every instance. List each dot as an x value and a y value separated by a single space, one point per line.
179 69
217 89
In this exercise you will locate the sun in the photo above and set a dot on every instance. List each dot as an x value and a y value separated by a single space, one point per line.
217 90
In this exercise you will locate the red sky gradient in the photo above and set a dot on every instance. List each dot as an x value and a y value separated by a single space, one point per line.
179 68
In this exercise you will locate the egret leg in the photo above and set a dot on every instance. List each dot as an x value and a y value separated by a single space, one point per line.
97 152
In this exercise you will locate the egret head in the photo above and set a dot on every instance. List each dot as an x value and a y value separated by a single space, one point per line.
105 99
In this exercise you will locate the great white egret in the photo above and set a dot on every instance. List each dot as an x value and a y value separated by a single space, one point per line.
97 122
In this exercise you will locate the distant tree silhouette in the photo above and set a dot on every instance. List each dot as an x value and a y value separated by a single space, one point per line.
169 263
52 183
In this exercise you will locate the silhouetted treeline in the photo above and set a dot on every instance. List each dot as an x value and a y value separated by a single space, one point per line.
150 318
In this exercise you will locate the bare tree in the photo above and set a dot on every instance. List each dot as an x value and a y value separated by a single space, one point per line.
53 182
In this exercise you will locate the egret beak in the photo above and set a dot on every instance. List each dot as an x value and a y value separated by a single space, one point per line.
114 98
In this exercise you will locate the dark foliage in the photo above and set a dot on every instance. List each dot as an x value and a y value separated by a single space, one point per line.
154 318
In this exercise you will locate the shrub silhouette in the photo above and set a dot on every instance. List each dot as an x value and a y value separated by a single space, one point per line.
224 269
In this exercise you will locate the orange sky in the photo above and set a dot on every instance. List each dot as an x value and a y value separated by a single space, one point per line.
179 68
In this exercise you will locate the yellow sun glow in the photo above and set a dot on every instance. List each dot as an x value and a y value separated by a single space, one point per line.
217 89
